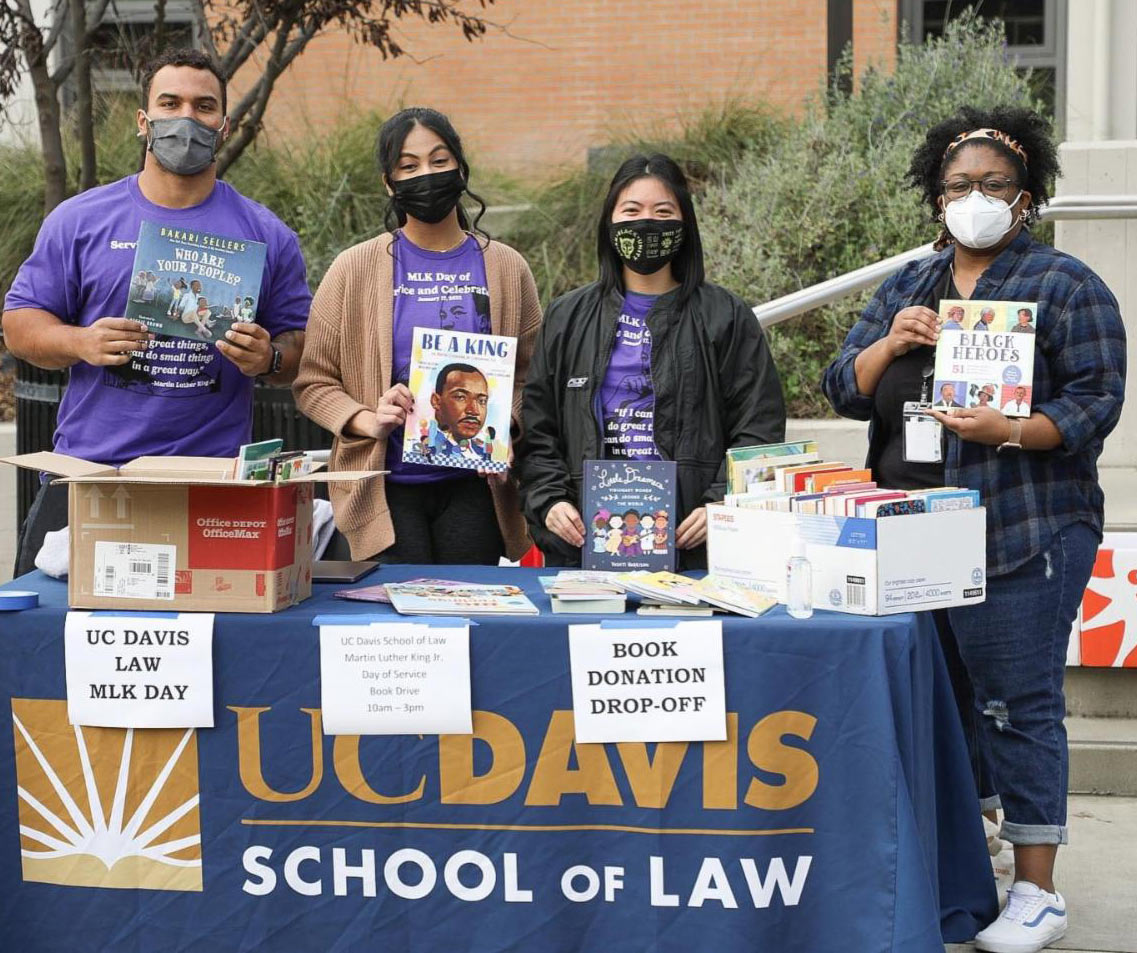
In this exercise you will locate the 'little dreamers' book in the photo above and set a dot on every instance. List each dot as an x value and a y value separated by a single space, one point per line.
629 515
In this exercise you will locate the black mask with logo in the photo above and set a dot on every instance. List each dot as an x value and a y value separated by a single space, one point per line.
646 244
428 198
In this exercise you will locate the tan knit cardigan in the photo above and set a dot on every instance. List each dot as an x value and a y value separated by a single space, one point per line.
346 366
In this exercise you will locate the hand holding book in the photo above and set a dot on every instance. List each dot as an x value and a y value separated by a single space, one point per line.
564 519
911 328
110 341
390 414
978 424
249 346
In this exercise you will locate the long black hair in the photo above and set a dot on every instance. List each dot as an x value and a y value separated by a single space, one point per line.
389 145
1027 128
687 265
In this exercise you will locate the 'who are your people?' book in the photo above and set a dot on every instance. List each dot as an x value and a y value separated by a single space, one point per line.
192 284
628 513
463 391
985 355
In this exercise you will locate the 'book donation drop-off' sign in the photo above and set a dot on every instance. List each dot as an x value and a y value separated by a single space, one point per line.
657 682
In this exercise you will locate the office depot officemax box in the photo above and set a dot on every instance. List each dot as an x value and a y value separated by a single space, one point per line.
179 534
864 566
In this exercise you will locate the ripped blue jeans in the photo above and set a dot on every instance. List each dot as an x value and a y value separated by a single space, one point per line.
1013 648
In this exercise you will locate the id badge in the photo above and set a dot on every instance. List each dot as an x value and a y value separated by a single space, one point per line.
923 435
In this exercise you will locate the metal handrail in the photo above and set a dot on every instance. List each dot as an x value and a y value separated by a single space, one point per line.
1060 208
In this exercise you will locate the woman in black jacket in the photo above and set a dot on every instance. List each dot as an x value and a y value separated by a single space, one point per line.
651 362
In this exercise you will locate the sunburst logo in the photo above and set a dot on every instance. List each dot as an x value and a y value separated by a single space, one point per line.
105 807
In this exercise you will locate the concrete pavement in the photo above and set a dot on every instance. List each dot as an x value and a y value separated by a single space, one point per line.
1097 874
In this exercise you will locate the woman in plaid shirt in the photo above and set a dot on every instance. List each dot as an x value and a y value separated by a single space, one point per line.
984 175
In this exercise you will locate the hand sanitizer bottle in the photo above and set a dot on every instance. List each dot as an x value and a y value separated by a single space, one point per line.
799 582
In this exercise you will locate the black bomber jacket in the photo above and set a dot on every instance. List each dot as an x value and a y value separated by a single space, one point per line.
715 387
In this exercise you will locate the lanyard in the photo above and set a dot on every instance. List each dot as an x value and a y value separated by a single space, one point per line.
926 384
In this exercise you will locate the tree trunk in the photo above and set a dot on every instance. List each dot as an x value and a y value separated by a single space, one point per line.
280 57
47 112
84 102
159 26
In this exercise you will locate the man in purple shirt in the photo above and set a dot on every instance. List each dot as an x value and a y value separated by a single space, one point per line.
132 393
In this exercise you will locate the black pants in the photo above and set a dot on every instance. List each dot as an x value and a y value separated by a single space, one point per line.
448 523
47 514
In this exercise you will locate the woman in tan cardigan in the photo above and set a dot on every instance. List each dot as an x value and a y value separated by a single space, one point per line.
355 369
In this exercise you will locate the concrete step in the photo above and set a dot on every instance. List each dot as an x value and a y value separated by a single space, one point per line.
1101 692
1103 755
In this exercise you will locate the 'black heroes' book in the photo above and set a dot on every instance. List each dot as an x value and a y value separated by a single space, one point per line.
629 515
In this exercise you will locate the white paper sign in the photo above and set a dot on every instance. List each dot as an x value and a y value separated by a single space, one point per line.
396 678
140 671
662 682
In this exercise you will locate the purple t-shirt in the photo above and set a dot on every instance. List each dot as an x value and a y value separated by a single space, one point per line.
627 400
182 397
443 290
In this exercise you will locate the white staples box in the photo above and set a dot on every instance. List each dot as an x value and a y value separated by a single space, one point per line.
864 566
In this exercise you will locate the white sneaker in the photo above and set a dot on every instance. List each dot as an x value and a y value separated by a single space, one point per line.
1031 921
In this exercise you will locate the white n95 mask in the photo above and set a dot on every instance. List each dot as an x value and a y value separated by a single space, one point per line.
979 221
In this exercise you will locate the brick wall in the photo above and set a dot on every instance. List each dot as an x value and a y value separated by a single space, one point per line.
571 74
874 35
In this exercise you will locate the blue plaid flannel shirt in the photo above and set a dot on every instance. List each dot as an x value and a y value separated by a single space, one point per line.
1079 383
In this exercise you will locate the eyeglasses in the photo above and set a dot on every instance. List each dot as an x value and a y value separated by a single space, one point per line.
994 186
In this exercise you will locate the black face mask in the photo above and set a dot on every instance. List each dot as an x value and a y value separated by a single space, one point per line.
646 244
428 198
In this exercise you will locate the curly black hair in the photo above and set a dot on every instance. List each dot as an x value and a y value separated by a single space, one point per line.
1025 126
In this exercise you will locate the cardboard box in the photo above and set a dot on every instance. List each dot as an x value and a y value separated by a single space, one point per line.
178 534
863 566
1107 619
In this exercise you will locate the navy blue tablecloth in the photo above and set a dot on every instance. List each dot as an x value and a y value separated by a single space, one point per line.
841 815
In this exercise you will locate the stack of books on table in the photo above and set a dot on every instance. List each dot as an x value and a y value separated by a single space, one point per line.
667 593
787 482
460 599
584 591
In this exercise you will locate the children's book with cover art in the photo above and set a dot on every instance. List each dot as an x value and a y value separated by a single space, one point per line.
463 391
629 515
985 355
409 598
192 284
747 465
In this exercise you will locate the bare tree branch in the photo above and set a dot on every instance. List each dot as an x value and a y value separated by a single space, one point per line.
94 21
248 38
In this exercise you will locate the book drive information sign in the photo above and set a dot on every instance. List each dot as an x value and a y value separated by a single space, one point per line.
139 671
395 678
653 682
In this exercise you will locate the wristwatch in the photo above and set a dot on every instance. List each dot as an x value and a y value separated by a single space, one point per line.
1014 441
277 361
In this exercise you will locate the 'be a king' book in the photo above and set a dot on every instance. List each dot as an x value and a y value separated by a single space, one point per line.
463 391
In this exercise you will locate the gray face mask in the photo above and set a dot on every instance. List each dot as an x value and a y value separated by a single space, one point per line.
183 146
